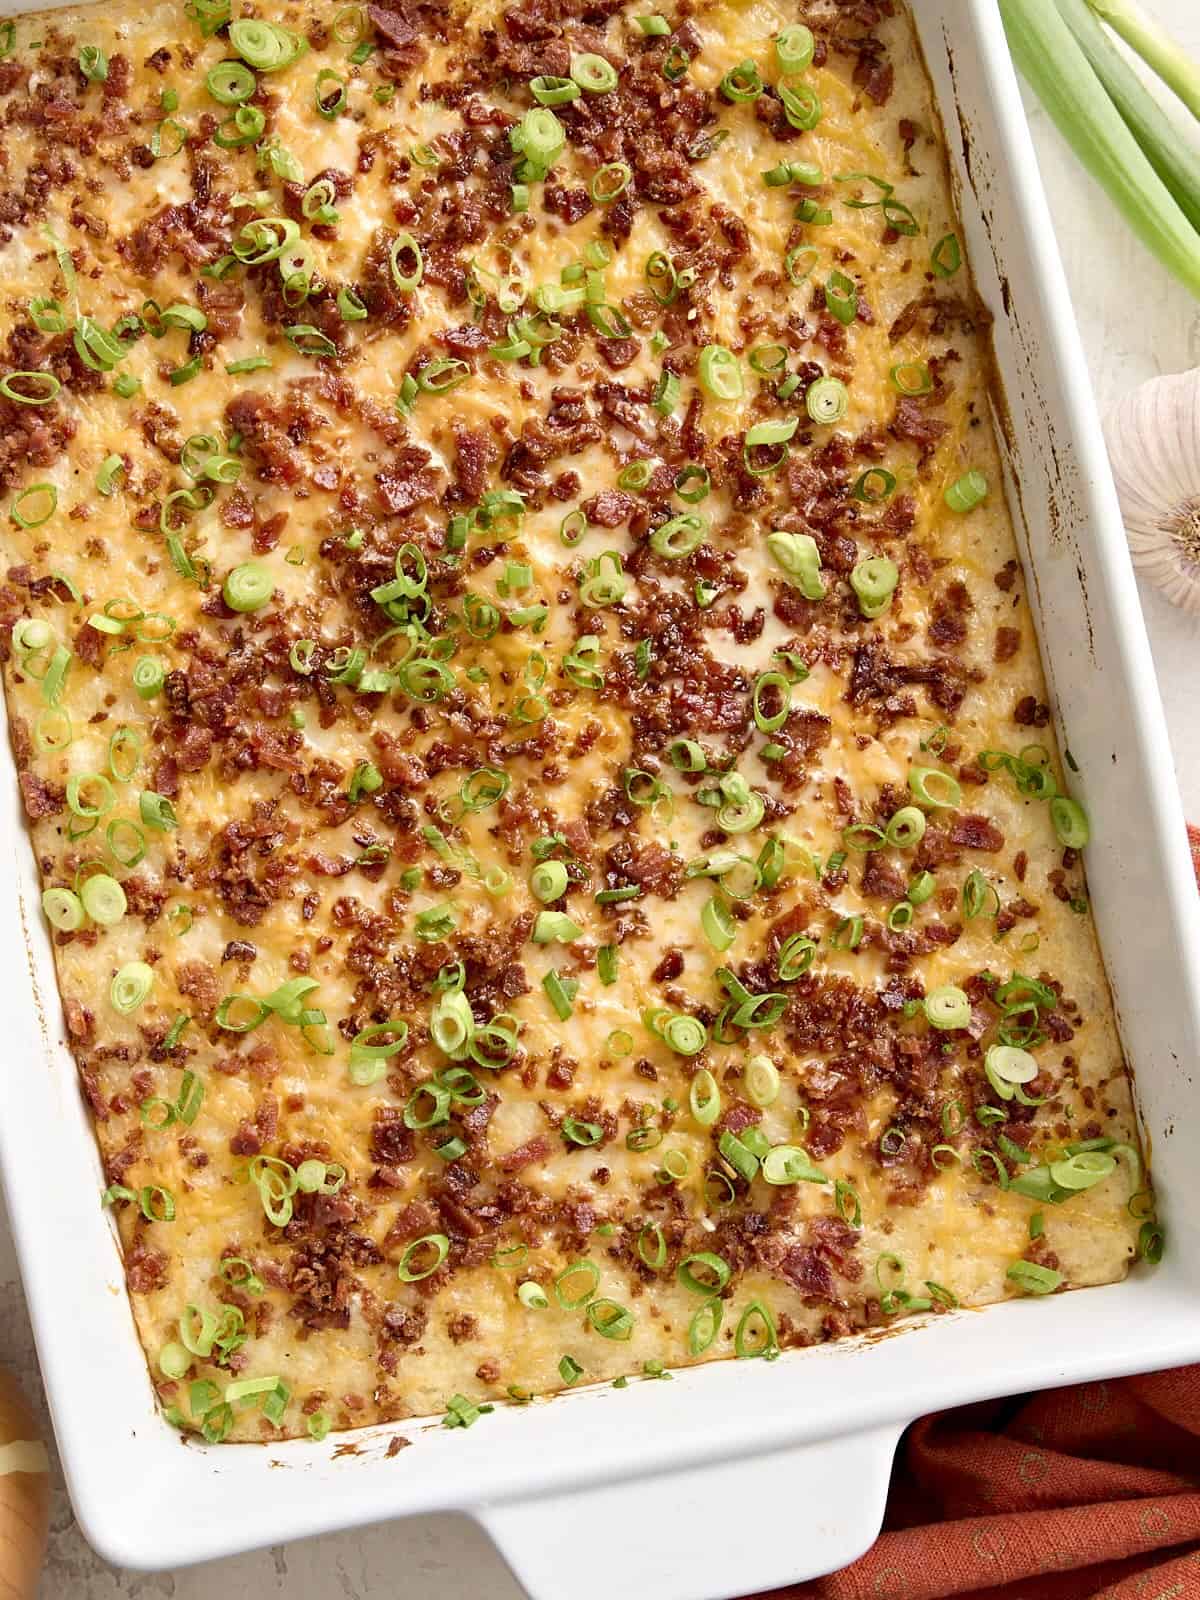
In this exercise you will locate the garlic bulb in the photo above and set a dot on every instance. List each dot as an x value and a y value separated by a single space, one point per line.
1153 439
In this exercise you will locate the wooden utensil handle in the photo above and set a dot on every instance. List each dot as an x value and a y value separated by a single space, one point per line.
24 1494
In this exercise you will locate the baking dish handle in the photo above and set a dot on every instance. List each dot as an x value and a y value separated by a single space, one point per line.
735 1527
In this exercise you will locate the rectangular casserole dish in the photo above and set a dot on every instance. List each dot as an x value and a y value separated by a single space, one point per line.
733 1446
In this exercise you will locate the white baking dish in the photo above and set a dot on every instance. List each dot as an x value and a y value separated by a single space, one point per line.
779 1471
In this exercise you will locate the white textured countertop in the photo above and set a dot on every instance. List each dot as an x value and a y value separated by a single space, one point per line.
1135 323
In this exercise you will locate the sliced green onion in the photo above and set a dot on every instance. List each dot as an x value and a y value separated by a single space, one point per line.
720 374
609 181
89 794
967 492
687 1036
675 63
847 1203
229 83
561 994
1070 822
1151 1242
761 1081
791 1163
795 956
52 731
666 393
741 83
581 1133
248 587
874 582
574 1273
548 881
610 1320
874 486
652 1247
680 535
704 1326
827 400
157 1204
906 828
30 388
1083 1170
329 94
551 91
934 788
794 47
35 505
800 262
841 297
719 925
946 256
47 315
756 1335
763 435
423 1257
93 63
947 1007
539 137
704 1273
704 1098
131 986
802 107
552 927
103 899
1031 1278
593 73
63 909
798 555
266 46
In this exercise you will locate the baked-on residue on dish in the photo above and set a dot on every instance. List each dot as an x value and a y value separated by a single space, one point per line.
524 695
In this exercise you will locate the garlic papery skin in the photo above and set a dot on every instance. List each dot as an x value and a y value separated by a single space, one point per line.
1153 439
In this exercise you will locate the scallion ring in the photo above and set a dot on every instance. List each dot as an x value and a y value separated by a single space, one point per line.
802 107
874 582
742 83
609 181
593 73
794 48
680 535
610 1319
947 1007
756 1335
131 986
765 435
248 587
329 94
938 790
1070 822
63 910
790 1163
30 388
827 400
423 1257
720 373
967 492
567 1290
35 505
230 82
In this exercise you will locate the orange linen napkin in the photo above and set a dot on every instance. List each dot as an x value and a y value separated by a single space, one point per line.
1088 1493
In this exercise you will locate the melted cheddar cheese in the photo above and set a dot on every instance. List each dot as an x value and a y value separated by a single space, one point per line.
316 824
